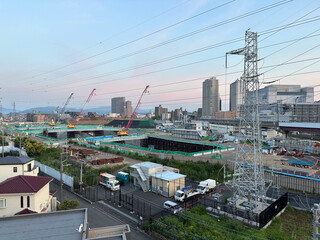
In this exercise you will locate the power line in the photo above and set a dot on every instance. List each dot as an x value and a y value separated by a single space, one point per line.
161 70
194 52
140 38
310 49
313 10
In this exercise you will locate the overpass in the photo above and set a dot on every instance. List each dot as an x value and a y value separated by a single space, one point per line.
235 122
300 127
78 131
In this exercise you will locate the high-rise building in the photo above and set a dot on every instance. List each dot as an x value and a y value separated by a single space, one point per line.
236 95
285 94
210 97
128 109
117 105
159 110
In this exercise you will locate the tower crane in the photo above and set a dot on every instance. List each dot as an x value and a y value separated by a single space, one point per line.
64 107
125 131
53 123
82 110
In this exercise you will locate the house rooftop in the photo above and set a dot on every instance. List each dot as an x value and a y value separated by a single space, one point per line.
69 224
23 184
168 176
49 226
146 165
13 160
25 211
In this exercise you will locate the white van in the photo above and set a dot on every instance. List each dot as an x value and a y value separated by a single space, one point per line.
172 207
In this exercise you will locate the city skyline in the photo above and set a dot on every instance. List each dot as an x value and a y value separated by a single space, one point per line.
50 50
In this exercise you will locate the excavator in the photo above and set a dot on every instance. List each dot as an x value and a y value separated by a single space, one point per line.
82 110
53 123
125 131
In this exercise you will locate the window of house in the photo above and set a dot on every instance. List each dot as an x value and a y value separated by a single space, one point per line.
21 201
29 167
15 169
2 203
28 201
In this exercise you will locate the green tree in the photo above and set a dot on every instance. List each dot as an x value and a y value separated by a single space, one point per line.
67 204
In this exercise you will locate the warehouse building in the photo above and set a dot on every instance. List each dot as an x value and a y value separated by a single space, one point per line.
143 173
167 183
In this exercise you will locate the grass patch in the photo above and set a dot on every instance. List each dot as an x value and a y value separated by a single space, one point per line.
197 224
296 224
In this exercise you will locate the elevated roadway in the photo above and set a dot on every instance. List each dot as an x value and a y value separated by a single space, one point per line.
300 127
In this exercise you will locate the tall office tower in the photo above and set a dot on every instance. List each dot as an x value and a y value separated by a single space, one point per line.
236 95
117 105
286 94
210 97
159 110
128 109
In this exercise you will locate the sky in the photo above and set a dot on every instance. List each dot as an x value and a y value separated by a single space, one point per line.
50 49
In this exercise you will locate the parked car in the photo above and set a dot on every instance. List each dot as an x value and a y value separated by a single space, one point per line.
172 207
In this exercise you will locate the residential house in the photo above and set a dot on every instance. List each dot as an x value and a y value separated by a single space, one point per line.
12 166
26 192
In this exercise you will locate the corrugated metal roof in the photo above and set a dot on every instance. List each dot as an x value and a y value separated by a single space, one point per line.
168 176
12 160
146 165
49 226
23 184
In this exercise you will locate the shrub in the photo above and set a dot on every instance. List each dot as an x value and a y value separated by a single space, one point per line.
67 204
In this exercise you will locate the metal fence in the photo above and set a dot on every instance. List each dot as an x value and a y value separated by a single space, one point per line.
67 180
136 205
252 218
274 209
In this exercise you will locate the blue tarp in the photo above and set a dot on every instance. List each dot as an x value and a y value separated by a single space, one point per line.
299 162
272 147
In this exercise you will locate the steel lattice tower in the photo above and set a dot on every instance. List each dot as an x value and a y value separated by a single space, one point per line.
248 181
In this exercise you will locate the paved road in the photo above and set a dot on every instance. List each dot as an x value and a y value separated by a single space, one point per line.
102 217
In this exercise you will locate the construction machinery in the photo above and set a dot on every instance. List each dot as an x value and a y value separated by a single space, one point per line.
82 110
53 122
64 107
125 131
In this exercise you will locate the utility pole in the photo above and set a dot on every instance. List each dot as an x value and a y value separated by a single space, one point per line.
80 182
61 175
20 144
61 170
14 112
2 135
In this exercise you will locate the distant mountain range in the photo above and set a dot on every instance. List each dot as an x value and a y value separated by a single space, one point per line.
7 110
50 109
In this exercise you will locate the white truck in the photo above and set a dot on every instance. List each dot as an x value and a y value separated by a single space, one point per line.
185 193
109 181
206 186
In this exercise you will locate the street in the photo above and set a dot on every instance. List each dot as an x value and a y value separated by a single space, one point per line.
101 217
